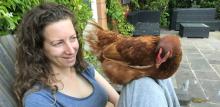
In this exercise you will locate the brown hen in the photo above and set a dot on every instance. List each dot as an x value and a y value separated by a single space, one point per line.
127 58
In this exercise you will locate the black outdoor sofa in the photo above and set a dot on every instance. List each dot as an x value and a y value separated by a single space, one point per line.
145 22
194 15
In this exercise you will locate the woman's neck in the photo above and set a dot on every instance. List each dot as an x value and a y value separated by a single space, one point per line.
61 73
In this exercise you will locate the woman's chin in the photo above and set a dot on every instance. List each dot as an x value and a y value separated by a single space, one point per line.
70 64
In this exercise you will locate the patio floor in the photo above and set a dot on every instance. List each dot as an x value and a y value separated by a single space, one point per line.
200 66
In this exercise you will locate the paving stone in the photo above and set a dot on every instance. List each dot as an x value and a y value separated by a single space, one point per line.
184 67
204 105
182 76
200 64
203 70
186 46
215 44
212 54
209 51
217 67
212 90
186 51
216 47
203 46
195 91
184 59
214 61
194 88
183 96
191 56
213 58
207 75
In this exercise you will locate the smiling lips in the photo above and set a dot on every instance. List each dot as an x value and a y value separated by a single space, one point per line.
69 58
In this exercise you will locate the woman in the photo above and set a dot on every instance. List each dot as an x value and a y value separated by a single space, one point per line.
50 67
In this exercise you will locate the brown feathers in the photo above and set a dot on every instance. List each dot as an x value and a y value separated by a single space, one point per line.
126 58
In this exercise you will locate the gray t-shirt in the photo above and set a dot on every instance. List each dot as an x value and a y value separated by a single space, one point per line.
44 98
147 92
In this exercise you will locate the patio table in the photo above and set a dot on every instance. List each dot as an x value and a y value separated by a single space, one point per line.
194 30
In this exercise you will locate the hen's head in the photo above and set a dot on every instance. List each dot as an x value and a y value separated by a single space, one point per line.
168 49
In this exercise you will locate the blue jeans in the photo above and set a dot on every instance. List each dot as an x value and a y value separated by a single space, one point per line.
147 92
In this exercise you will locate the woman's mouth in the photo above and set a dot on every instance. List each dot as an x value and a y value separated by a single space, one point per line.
69 59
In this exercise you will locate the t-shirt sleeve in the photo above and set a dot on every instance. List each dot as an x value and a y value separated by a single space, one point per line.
37 100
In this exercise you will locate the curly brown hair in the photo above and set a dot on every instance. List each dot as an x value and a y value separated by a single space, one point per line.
32 65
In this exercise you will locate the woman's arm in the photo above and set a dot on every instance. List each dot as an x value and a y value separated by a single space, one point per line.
113 95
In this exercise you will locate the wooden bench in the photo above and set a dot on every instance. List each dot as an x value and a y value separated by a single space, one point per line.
7 71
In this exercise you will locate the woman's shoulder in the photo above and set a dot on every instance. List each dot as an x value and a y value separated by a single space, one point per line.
38 98
89 71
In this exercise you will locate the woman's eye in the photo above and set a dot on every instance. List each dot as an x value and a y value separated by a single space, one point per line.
73 38
57 44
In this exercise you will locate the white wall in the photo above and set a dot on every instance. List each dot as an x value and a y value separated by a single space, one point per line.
94 10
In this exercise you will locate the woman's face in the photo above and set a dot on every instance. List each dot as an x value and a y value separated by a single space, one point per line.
60 43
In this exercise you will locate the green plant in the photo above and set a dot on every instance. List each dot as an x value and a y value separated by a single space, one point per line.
116 15
11 12
211 4
180 4
7 21
92 59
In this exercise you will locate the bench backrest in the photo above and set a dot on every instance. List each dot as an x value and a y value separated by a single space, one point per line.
144 16
194 14
7 70
146 22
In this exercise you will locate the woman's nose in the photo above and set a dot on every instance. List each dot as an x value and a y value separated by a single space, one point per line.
69 48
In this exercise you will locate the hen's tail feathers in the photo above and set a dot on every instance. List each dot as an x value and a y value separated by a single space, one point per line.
91 40
97 38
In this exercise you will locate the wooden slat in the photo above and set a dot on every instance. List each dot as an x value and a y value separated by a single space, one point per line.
6 78
6 98
8 43
6 61
7 71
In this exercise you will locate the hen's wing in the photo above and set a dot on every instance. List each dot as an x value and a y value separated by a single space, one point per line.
138 50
